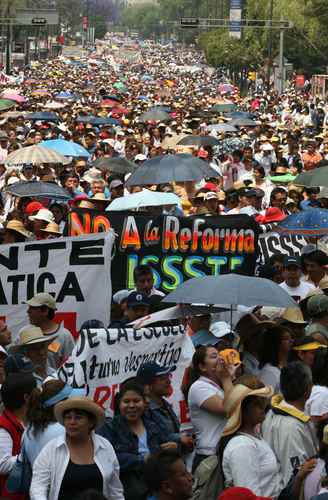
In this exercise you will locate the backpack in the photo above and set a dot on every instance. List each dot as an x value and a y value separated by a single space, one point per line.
208 479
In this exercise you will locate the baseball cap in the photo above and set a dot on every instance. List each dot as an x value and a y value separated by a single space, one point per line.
121 295
138 299
42 299
115 184
210 196
238 493
317 305
148 371
292 261
249 193
18 363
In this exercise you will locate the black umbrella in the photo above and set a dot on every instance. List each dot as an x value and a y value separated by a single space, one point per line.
117 165
97 120
199 140
243 122
168 168
37 189
46 116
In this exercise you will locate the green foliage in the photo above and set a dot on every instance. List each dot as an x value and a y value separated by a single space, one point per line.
146 18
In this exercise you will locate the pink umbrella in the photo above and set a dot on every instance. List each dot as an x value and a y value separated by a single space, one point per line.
14 97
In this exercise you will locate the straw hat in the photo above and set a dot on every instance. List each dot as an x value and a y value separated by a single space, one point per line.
18 227
86 204
99 199
52 228
294 315
33 335
232 405
79 403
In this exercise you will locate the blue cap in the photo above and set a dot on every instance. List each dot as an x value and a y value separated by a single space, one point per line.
138 299
148 371
292 261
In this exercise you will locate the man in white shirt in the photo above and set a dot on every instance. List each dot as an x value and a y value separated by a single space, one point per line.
293 284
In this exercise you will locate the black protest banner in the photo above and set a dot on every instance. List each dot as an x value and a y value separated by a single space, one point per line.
177 248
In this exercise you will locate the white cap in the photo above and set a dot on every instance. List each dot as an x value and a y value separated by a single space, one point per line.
140 157
220 329
210 196
267 147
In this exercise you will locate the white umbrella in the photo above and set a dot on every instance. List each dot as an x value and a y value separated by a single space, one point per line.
53 105
36 155
142 199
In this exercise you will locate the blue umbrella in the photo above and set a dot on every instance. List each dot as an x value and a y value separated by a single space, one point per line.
112 97
97 120
311 222
143 98
45 116
146 78
66 95
66 148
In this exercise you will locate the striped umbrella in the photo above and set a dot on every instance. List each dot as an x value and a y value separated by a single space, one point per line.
35 155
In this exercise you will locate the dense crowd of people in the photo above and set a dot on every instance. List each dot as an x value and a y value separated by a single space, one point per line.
257 386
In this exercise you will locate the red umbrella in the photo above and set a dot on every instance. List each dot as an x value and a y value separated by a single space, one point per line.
108 103
120 111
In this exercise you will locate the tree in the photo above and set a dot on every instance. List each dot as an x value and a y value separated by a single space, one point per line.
145 18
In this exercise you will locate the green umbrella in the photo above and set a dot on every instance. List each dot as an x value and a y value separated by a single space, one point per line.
6 104
223 108
120 86
314 178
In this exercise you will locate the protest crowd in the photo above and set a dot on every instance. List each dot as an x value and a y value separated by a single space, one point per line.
170 385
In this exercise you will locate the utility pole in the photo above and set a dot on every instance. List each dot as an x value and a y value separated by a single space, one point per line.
281 63
270 43
8 40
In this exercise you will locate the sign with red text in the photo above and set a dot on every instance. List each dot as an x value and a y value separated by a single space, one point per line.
104 358
75 271
177 248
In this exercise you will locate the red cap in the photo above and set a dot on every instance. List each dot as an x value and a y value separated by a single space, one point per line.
33 207
79 197
238 493
210 186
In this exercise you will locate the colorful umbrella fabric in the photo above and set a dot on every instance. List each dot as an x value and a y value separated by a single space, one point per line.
311 222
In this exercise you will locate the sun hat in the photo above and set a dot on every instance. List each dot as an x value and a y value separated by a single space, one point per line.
17 226
239 493
317 305
52 228
43 214
93 174
42 299
115 184
79 403
294 315
30 334
233 402
307 344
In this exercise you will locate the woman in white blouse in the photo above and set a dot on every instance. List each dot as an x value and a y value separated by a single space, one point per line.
209 382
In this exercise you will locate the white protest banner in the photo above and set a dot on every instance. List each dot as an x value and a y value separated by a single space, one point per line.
288 244
103 358
74 270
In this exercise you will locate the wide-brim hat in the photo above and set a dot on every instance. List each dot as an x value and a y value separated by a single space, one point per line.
232 405
52 228
31 334
294 315
18 227
79 403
